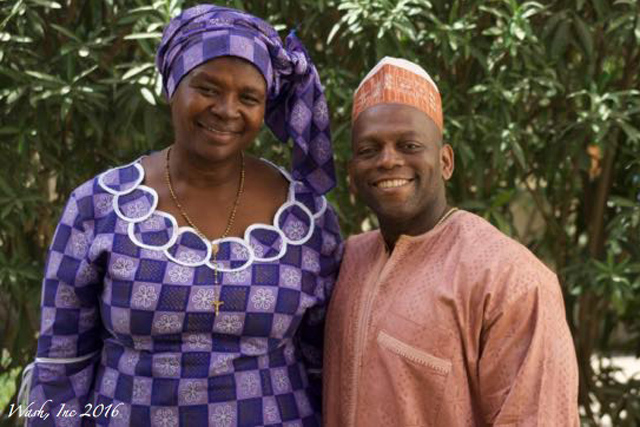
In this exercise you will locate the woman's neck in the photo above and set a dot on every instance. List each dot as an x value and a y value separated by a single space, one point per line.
188 168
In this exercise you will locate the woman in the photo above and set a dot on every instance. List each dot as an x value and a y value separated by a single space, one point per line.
188 287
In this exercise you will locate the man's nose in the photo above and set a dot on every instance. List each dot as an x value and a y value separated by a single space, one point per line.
389 158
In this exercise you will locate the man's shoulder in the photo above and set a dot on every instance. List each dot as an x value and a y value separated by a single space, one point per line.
367 238
362 246
502 261
480 238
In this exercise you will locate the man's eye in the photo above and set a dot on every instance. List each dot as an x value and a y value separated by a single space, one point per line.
367 151
411 145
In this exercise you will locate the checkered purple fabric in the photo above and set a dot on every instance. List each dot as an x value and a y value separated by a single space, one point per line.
123 281
296 105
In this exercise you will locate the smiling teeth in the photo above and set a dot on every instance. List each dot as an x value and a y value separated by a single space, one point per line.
214 130
392 183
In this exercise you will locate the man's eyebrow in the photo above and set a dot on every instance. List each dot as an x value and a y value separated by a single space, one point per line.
366 138
409 134
373 136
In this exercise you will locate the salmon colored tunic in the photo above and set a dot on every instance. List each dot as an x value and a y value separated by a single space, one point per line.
460 326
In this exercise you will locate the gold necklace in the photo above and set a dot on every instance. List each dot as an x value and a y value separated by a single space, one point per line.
230 221
445 216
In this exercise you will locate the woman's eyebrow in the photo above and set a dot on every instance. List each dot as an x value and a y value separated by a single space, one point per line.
253 90
203 78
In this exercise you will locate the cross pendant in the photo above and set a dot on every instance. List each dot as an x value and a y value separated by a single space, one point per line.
216 302
216 305
214 258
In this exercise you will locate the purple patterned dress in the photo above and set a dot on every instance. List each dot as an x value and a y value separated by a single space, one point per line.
129 295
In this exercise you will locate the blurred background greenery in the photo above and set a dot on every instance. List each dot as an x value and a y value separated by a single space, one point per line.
541 105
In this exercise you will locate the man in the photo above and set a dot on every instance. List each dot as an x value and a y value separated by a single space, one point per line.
437 319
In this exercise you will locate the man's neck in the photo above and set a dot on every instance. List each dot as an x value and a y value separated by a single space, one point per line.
391 230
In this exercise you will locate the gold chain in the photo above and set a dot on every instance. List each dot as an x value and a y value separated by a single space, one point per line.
230 221
445 216
232 215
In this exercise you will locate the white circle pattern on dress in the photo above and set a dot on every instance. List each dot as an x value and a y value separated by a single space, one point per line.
136 205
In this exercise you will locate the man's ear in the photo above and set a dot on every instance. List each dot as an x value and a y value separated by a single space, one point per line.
447 161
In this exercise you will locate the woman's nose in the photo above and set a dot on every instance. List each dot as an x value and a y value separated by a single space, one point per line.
226 107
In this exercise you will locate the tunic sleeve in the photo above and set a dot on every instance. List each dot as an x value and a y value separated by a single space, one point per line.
311 334
528 372
70 331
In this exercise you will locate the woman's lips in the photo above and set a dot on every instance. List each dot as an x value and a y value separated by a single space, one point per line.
217 130
219 136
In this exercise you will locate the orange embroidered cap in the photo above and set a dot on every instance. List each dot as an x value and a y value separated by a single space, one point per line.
398 81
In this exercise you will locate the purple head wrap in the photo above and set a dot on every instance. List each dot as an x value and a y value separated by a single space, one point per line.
296 105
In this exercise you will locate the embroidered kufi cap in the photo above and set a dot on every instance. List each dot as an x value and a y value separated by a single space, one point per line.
398 81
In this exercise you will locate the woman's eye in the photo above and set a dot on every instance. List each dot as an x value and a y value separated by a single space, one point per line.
207 90
251 100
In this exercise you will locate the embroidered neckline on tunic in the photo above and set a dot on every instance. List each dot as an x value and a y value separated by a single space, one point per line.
136 204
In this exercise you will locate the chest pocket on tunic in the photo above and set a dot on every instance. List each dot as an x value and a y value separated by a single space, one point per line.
417 360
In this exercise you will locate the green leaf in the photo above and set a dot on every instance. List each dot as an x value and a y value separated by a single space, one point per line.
148 95
551 24
64 31
519 154
8 208
9 130
43 76
6 188
632 132
584 34
84 74
561 39
17 7
142 36
65 107
136 70
599 6
48 4
502 198
148 9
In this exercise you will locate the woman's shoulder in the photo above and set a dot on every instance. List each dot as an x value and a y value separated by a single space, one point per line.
113 180
94 197
304 210
276 182
119 180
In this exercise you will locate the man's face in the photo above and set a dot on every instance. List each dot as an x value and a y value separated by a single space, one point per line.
399 166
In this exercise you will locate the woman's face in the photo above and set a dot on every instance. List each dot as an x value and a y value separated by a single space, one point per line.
218 108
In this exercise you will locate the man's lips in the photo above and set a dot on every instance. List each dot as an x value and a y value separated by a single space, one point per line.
392 183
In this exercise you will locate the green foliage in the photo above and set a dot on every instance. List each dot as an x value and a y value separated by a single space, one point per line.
7 380
541 106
